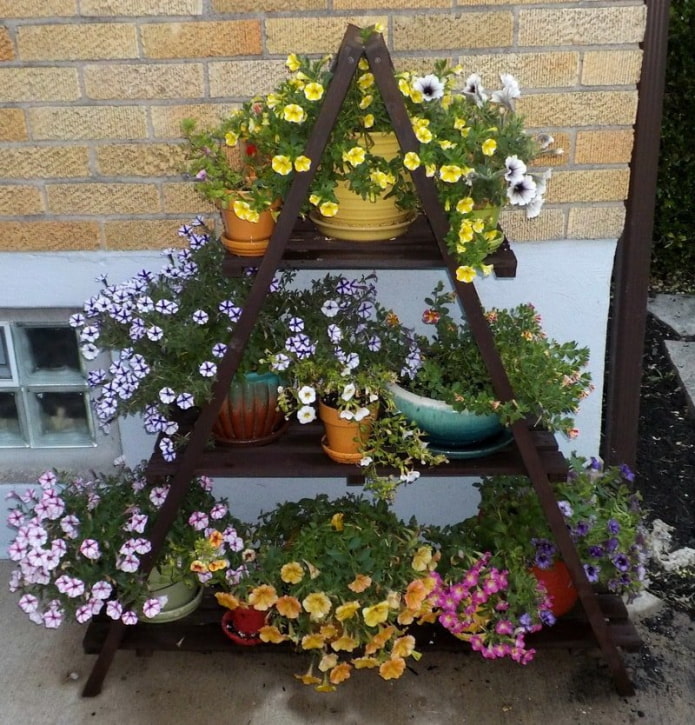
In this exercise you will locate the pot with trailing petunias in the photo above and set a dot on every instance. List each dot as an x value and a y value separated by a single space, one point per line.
80 541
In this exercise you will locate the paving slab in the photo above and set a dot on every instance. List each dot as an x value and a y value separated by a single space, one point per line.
676 311
682 356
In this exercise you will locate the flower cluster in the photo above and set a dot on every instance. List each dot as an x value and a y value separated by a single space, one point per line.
546 375
168 331
475 606
341 580
79 544
602 513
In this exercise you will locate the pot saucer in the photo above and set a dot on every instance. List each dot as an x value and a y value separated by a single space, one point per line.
476 450
338 456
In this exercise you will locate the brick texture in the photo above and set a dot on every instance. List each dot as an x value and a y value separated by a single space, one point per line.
243 6
611 67
20 200
35 162
393 5
37 8
139 160
83 41
105 122
600 108
590 185
582 26
178 80
13 126
532 70
6 45
103 199
604 147
144 234
596 222
166 120
183 199
245 78
18 85
444 32
103 8
311 35
48 236
549 225
202 40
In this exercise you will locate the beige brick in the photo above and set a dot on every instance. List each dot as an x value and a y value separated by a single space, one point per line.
443 32
103 199
102 122
532 70
202 40
550 224
20 200
44 236
589 185
35 162
78 41
37 8
183 199
506 2
616 108
312 35
166 120
18 85
245 78
393 5
13 125
107 8
561 143
582 26
604 147
241 6
6 46
179 80
600 222
139 160
143 233
611 67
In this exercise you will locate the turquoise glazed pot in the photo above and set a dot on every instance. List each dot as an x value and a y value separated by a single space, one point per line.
445 427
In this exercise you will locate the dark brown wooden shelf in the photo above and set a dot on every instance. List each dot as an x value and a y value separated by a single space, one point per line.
298 453
202 632
307 248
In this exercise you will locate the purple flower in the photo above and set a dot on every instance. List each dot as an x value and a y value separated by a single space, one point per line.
200 317
219 349
208 369
621 562
613 526
198 520
626 473
154 333
566 508
592 572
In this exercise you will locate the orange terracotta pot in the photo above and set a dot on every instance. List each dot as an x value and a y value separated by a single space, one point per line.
559 585
245 238
344 438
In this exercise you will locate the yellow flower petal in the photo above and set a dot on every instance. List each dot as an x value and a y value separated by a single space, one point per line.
376 614
292 573
302 163
411 161
465 274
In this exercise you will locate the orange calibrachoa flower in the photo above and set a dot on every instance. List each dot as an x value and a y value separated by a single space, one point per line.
392 669
365 663
289 607
312 641
415 594
225 599
403 646
378 641
360 583
345 643
271 634
263 597
292 573
340 673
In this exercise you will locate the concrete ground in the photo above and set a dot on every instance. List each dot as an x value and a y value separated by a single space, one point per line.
42 672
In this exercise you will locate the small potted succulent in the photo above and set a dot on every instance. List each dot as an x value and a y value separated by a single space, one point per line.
79 543
340 580
547 377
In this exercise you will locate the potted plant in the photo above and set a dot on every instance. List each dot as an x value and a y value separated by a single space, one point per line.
603 515
79 544
340 362
341 580
546 376
166 333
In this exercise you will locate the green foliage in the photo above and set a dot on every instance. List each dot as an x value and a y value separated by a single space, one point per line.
673 259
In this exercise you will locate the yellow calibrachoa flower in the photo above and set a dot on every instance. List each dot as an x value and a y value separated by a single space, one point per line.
263 597
309 678
293 63
325 686
198 567
340 673
403 646
218 564
328 662
368 120
416 95
345 643
366 101
381 179
231 138
411 161
355 155
489 147
450 173
422 558
337 521
281 165
312 641
328 631
365 663
365 81
430 170
486 269
272 99
459 123
294 113
313 91
465 205
243 210
224 599
328 208
446 144
363 64
376 614
378 27
346 611
465 232
292 573
394 599
302 163
360 583
392 669
289 607
465 274
317 604
423 134
404 87
271 634
478 226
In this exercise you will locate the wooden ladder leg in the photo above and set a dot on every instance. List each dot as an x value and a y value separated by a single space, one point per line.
104 659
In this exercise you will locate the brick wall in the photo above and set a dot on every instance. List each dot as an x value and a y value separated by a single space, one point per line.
92 92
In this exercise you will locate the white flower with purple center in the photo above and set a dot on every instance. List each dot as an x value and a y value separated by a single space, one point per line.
219 349
374 343
129 617
96 377
48 478
15 518
296 324
330 308
114 609
185 401
53 618
565 508
352 361
515 169
70 525
166 307
154 333
232 311
36 535
208 369
152 607
365 310
523 191
166 447
198 520
89 548
218 511
89 334
145 304
128 563
306 414
335 334
306 394
89 351
137 330
59 547
72 586
84 613
77 320
200 317
280 362
101 590
158 495
348 392
28 603
430 86
141 545
137 523
167 395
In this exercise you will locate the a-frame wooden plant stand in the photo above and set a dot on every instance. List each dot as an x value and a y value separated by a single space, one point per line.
534 454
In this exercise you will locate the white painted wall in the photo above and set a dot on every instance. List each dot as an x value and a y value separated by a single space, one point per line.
567 281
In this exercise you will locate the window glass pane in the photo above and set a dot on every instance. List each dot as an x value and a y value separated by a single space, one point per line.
48 354
5 369
10 429
63 419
